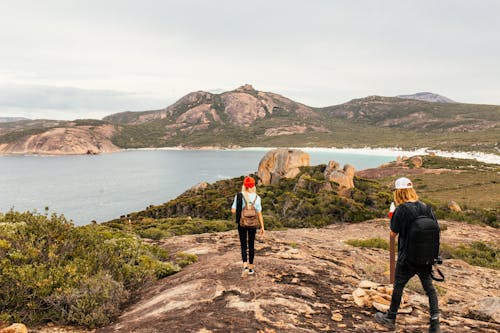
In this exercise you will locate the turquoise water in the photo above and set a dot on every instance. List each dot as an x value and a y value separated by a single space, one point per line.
103 187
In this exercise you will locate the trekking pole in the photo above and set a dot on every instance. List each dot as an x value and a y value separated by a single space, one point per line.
392 248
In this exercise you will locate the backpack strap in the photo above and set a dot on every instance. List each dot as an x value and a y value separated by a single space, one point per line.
247 204
239 206
418 209
441 278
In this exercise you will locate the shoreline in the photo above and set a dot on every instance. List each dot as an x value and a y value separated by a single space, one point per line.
390 151
387 151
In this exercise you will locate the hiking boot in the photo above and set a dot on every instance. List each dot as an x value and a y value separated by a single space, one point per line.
434 326
244 272
251 271
384 320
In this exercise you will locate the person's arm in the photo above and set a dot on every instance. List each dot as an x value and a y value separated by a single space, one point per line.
395 224
258 208
261 220
233 207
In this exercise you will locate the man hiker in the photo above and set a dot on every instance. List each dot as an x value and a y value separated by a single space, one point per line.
418 247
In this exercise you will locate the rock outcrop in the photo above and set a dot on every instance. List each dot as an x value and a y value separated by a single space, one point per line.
281 163
304 282
15 328
199 187
344 177
417 161
487 309
375 295
65 141
453 206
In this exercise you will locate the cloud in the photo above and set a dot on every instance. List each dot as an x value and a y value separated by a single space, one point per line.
40 101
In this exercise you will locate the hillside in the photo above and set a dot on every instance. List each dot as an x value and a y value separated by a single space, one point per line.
309 200
304 283
49 137
246 117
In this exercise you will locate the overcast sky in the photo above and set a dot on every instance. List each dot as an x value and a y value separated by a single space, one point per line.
85 59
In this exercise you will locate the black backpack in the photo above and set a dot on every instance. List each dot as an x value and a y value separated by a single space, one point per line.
422 243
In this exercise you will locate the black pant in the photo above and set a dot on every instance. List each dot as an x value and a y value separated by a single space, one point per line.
404 273
243 232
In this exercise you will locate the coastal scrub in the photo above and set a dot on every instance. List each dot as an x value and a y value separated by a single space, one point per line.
51 271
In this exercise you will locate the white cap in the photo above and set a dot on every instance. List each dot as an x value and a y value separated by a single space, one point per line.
402 183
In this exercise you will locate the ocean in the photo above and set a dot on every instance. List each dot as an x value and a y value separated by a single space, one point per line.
103 187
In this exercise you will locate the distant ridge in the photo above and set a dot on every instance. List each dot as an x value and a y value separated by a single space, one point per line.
428 97
11 119
246 117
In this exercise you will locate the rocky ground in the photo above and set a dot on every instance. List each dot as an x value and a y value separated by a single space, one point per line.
304 282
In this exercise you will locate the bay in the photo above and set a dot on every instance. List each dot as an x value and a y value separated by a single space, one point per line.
103 187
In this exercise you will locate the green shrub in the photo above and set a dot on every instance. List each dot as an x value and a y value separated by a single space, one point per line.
183 259
477 253
152 233
374 243
289 203
53 271
92 303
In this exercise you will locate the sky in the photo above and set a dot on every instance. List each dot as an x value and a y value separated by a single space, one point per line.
67 59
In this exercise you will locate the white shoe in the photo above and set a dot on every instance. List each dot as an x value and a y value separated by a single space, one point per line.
244 272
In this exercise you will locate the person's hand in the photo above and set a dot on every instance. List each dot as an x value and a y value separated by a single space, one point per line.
262 232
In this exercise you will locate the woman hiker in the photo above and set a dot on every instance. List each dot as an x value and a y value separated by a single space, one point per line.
248 195
407 208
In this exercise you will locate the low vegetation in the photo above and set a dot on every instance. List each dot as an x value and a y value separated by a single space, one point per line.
290 204
474 185
53 271
477 253
372 243
166 227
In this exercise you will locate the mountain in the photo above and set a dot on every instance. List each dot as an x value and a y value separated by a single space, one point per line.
11 119
248 117
197 110
410 114
427 97
49 137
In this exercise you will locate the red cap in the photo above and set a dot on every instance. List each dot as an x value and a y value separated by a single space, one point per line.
249 182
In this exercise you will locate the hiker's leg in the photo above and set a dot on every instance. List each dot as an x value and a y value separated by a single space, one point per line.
251 245
426 280
402 275
243 243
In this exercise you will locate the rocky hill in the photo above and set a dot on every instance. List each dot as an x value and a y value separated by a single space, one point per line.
417 115
57 137
428 97
304 283
242 107
248 117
